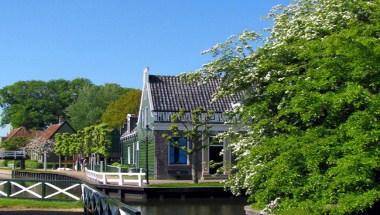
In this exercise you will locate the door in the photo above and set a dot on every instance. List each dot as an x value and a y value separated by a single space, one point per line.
215 156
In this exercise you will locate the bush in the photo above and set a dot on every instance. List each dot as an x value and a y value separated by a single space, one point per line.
123 166
13 163
52 165
3 163
33 164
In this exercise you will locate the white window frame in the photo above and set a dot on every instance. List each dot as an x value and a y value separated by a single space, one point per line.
129 155
221 144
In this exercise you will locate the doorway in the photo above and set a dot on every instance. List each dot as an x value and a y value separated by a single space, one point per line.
215 156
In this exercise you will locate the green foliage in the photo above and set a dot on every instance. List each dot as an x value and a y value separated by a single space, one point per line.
311 103
195 130
68 144
14 143
3 163
36 104
117 110
93 139
124 166
184 184
32 164
91 103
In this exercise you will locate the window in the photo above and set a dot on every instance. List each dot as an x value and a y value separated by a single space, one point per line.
176 154
129 155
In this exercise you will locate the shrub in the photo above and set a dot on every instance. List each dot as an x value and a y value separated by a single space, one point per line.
3 163
32 164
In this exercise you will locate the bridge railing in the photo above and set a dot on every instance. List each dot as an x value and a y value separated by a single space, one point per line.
12 154
119 178
98 203
94 202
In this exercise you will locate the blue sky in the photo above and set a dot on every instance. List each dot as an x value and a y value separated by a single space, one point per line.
112 41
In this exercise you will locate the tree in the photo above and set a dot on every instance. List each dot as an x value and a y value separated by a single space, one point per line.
311 105
67 144
91 103
14 143
93 139
195 132
117 110
40 146
36 104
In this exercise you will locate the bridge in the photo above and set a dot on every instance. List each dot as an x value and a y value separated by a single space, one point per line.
12 155
95 202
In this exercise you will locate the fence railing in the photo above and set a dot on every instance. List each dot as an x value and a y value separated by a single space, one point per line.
119 178
60 190
12 154
97 203
94 202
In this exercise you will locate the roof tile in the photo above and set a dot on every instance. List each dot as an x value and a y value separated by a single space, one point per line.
170 93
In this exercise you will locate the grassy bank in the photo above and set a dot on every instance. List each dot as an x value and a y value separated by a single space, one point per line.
31 203
184 185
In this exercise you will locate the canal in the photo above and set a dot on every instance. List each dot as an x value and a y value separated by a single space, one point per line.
216 206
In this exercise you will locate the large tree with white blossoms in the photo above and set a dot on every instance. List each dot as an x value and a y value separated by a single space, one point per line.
311 104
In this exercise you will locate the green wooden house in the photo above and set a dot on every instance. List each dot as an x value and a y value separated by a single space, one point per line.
142 139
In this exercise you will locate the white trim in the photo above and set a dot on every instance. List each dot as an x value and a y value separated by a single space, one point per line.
133 153
214 127
1 192
214 146
150 97
129 155
144 88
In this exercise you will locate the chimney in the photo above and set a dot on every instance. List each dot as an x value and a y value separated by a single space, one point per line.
61 120
131 122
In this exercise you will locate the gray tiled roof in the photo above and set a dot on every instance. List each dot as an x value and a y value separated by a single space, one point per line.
170 93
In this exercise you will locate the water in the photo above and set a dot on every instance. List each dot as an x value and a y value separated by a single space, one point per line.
218 206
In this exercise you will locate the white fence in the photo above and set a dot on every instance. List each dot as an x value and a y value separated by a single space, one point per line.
34 189
119 178
12 154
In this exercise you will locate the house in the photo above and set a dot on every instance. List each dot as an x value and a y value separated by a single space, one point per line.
161 97
48 135
21 132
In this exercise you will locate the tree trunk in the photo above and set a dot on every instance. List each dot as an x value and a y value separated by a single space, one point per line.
194 167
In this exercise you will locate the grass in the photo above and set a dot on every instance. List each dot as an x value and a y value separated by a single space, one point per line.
185 185
31 203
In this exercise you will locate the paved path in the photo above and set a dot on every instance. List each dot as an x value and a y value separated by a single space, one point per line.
5 174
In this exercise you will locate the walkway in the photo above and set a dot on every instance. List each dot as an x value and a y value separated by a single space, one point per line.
5 174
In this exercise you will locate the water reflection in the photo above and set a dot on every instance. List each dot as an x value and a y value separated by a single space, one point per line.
225 206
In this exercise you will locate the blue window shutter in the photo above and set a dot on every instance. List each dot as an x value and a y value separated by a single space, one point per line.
178 155
182 153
